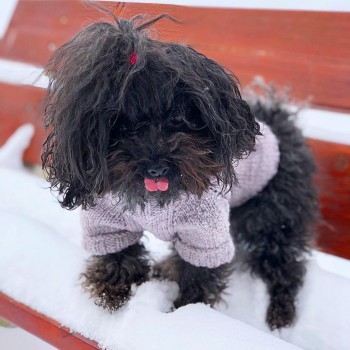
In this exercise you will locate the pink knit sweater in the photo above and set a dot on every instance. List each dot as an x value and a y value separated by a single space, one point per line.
199 228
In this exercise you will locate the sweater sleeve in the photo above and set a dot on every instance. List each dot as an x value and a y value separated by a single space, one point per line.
107 229
255 171
202 226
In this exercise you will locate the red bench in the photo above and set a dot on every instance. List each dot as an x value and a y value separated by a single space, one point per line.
304 50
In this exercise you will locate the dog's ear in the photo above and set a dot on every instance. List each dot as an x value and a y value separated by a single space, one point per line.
225 113
83 79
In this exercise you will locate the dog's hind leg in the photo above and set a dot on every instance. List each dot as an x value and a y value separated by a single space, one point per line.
272 231
273 250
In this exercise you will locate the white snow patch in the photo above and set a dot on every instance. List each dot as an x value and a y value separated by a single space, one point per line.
333 264
7 8
14 338
11 153
325 125
20 73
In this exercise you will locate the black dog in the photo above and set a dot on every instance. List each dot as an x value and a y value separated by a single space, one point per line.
148 124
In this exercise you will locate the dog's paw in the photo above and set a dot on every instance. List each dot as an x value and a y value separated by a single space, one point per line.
280 315
196 294
163 271
108 278
112 297
196 284
105 286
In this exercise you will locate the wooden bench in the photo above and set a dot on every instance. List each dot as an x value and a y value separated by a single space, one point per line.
307 51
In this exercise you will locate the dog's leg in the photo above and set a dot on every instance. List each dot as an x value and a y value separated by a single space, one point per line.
273 230
108 278
197 284
272 236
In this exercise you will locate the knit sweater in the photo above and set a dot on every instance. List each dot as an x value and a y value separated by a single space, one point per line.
198 227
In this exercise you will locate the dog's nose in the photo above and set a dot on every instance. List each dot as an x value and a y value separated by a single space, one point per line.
157 170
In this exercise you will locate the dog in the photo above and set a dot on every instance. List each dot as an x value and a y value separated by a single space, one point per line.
151 135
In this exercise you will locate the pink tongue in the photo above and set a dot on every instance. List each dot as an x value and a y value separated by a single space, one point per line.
163 184
153 185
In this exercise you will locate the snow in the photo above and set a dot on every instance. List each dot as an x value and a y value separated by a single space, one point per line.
20 73
316 124
41 259
333 264
11 152
14 338
7 9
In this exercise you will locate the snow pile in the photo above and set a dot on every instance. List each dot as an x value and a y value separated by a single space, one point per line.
12 151
41 259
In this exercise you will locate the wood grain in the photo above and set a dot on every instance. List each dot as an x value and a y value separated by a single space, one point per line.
42 326
333 184
38 27
20 105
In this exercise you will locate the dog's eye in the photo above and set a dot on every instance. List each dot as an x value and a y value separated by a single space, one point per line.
123 129
176 119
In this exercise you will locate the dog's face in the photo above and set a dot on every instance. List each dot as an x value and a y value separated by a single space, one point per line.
141 118
160 154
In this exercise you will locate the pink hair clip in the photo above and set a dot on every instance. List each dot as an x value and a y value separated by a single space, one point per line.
133 58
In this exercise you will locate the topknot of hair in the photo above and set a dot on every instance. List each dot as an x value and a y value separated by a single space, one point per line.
125 25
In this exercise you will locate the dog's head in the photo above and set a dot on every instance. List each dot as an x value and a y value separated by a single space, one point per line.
140 117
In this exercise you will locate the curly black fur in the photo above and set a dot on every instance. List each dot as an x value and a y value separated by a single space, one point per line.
102 111
197 284
273 231
108 278
111 121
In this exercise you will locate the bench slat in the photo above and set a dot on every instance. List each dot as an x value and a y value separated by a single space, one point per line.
20 105
333 184
42 326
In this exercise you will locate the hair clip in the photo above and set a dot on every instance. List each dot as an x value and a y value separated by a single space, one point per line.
133 58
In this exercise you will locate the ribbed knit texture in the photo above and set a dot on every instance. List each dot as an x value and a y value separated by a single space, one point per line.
199 227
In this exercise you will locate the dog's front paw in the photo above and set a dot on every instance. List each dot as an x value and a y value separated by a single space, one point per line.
188 277
108 278
196 284
106 282
280 314
110 297
192 294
